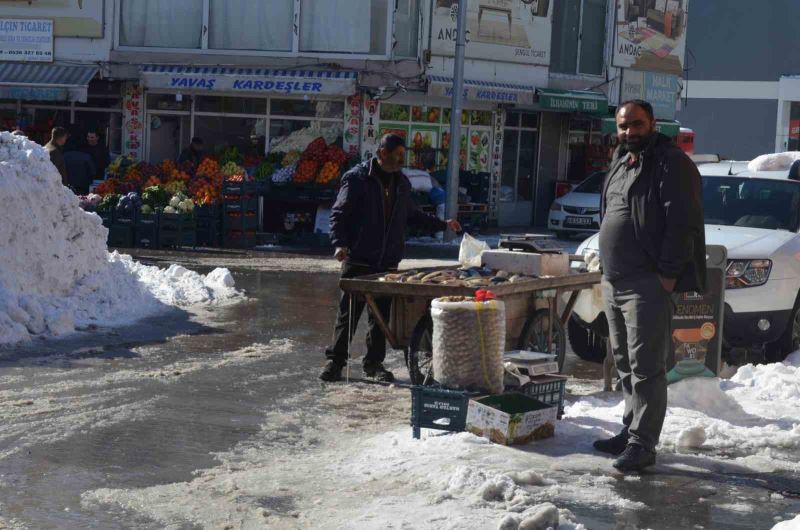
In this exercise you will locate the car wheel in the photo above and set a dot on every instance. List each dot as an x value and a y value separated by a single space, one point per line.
535 334
419 355
585 343
789 342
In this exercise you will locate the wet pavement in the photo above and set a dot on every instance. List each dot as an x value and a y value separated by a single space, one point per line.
154 403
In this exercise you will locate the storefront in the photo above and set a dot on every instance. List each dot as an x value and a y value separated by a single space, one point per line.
38 97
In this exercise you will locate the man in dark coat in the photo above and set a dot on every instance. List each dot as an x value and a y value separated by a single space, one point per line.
99 153
81 171
368 229
652 244
55 148
194 153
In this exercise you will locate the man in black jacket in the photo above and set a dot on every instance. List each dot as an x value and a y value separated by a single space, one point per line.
99 153
55 148
368 229
652 244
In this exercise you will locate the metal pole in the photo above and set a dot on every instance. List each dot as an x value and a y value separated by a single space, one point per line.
453 154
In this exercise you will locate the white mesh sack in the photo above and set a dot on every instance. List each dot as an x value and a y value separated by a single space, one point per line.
468 342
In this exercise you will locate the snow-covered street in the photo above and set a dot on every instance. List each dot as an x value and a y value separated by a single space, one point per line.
213 418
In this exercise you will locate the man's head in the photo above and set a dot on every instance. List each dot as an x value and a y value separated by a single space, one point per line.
92 137
59 136
392 152
636 124
197 144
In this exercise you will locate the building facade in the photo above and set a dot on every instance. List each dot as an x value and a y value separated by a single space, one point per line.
542 77
742 93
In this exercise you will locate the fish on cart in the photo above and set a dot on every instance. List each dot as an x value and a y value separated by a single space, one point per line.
473 277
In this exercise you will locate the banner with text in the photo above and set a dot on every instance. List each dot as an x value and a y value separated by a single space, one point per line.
661 90
651 37
513 31
27 40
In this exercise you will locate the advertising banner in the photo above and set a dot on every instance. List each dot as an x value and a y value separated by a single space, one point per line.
697 322
512 31
28 40
651 36
661 90
70 18
133 121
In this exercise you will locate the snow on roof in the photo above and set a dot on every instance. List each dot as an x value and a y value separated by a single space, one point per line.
774 161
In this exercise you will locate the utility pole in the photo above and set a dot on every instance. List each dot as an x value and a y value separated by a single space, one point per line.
454 152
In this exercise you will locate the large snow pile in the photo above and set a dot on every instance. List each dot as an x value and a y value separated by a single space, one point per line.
55 272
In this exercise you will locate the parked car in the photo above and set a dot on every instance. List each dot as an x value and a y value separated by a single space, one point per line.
578 212
756 216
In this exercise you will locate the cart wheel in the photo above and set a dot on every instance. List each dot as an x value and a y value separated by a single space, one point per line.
419 355
534 336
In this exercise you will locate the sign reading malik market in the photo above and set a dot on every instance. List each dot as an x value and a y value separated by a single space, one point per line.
293 82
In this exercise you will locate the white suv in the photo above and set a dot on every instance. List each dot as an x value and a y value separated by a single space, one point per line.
756 216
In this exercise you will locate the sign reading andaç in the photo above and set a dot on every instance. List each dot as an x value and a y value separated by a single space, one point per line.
29 40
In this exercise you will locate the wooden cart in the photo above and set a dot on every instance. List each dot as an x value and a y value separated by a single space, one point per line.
533 320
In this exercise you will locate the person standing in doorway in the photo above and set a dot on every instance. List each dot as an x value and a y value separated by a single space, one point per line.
99 153
652 244
194 153
368 229
55 148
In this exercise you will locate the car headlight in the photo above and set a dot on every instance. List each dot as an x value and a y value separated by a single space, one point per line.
555 207
747 273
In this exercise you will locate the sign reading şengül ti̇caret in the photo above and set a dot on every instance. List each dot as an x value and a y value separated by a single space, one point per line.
29 40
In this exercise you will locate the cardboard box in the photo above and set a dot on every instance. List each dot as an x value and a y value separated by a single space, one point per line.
528 263
511 418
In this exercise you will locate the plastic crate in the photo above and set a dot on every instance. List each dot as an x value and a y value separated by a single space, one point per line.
121 236
107 217
147 231
549 389
208 233
239 238
246 204
438 408
174 230
238 188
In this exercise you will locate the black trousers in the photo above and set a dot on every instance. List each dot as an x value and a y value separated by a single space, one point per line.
639 313
376 341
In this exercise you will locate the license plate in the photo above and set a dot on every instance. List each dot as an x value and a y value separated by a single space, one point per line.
579 221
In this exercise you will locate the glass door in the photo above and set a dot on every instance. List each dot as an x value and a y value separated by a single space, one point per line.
520 150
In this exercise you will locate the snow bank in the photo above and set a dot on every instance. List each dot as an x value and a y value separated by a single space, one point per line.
794 524
55 272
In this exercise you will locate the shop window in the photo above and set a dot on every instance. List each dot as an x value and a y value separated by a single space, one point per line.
159 24
327 26
520 146
168 136
231 105
304 108
248 25
588 149
167 102
578 38
102 102
406 29
248 135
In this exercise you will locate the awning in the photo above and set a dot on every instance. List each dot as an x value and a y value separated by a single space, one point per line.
486 91
573 100
45 82
249 80
670 128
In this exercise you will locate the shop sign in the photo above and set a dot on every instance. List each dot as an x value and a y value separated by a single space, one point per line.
35 93
490 95
660 90
27 40
498 30
651 39
565 101
352 125
249 84
133 121
496 165
369 138
794 129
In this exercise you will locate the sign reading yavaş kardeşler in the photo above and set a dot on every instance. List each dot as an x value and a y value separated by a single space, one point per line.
28 40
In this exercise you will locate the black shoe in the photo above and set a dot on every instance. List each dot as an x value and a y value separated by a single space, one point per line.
613 446
635 458
332 372
377 372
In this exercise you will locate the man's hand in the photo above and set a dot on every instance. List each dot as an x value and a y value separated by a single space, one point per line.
667 283
453 225
341 253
